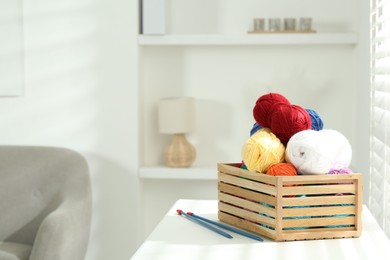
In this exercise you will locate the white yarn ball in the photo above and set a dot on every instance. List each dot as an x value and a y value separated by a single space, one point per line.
316 152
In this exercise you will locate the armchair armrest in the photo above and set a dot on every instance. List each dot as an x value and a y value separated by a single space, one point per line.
63 234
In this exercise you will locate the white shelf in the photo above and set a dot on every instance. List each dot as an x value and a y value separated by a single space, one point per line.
250 39
193 173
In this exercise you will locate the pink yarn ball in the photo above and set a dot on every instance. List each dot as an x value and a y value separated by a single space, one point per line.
340 169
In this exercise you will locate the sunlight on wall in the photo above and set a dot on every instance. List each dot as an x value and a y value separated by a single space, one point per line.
60 70
78 96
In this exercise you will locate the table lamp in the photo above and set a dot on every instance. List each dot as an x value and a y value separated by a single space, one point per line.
176 116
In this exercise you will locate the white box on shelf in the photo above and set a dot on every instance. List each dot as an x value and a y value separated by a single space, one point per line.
153 17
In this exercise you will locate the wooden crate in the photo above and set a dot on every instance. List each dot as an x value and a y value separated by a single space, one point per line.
288 208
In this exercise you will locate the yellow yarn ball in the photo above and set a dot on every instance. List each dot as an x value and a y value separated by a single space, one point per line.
262 150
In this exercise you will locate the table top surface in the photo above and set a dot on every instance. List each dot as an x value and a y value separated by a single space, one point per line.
175 237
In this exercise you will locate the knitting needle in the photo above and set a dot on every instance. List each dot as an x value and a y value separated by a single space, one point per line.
238 231
193 219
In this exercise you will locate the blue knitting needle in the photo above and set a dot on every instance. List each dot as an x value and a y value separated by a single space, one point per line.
193 219
238 231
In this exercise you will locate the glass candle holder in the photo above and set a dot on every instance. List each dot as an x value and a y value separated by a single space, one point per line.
289 24
305 23
259 24
274 24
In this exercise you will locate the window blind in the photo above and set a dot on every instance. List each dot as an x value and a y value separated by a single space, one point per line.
379 199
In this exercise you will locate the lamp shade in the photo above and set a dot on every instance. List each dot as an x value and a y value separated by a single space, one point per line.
176 115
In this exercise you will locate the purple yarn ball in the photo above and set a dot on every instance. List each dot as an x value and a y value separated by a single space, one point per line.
339 169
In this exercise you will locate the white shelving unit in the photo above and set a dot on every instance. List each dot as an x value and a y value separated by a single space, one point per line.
222 25
257 39
193 173
209 173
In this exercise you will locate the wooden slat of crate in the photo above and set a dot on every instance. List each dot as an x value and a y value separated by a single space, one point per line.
222 177
318 234
319 200
279 207
318 222
232 169
245 193
313 179
319 211
253 206
359 202
319 189
247 225
245 214
323 229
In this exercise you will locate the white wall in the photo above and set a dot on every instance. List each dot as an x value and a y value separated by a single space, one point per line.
363 96
81 93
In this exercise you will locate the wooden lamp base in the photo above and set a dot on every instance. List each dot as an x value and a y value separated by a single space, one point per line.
180 153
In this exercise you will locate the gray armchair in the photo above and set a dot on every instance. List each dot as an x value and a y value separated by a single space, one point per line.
45 204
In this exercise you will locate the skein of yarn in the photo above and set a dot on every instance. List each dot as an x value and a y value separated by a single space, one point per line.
287 120
339 168
256 127
262 150
316 121
282 169
316 152
263 108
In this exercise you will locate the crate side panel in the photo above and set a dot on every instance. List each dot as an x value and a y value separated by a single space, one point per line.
247 225
246 214
288 208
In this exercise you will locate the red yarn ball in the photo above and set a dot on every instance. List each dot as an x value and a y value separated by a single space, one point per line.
282 169
287 120
263 108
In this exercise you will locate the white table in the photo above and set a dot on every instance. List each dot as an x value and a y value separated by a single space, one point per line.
176 237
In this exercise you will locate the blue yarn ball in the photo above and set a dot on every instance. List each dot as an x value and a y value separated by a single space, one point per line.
316 121
256 127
